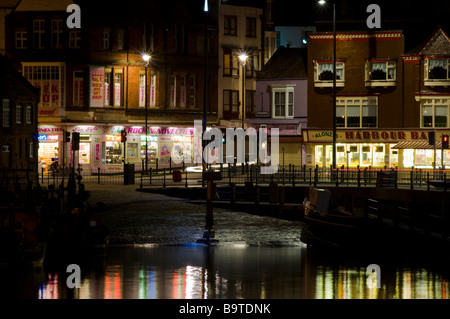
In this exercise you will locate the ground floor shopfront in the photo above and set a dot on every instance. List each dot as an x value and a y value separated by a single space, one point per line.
375 148
101 146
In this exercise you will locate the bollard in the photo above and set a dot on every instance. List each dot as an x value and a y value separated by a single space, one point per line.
337 177
42 169
98 176
186 179
283 175
315 176
150 176
170 165
164 180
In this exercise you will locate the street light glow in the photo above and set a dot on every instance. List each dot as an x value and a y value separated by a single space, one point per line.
146 57
322 2
243 57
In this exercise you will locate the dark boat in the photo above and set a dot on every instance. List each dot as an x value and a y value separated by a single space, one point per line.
327 224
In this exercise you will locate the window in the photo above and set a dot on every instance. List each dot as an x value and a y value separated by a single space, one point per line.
38 33
380 73
74 39
435 112
230 103
437 70
118 88
182 91
356 112
283 102
250 28
6 114
78 82
192 92
323 73
251 66
106 39
173 90
179 39
21 40
108 87
49 77
120 39
230 63
29 115
142 92
230 25
250 101
57 31
19 114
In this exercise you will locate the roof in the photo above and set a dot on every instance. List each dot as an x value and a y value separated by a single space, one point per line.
43 5
285 63
9 75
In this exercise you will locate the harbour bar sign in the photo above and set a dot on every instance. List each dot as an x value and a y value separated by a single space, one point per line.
387 136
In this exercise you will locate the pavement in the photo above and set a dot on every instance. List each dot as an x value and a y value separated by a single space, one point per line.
144 218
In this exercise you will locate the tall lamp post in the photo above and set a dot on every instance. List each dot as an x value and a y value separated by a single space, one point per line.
323 2
146 59
205 51
243 58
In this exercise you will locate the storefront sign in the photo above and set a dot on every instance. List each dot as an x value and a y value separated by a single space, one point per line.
50 129
85 129
42 137
316 136
52 137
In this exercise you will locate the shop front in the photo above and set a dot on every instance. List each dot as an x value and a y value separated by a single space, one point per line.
50 140
374 148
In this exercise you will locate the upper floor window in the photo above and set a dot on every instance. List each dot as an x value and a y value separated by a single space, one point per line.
78 86
250 28
106 39
57 31
38 33
230 63
381 73
19 114
435 112
6 112
120 39
283 102
323 73
356 112
251 66
21 40
74 39
230 25
437 71
29 115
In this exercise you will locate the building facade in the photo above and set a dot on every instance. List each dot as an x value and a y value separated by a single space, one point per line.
94 81
383 102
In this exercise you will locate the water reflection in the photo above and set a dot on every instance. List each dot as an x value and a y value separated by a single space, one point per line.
197 272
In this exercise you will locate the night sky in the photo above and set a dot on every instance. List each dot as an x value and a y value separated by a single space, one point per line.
418 20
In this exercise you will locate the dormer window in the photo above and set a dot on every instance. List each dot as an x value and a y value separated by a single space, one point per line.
381 72
437 71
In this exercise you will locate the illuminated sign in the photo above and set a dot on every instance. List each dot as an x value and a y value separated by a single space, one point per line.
42 137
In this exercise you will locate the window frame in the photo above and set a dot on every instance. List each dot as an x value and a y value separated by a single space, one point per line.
22 39
229 30
230 63
6 113
38 33
56 32
19 113
251 26
29 114
436 82
380 82
340 65
344 102
287 90
74 39
434 102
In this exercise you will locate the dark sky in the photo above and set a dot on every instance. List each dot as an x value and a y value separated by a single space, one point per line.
417 19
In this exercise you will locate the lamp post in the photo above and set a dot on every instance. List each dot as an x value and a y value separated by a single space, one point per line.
146 59
243 58
323 2
205 49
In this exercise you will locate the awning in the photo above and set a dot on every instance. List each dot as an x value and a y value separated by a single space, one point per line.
417 145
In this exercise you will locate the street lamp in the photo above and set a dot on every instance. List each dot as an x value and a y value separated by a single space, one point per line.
146 59
243 58
323 2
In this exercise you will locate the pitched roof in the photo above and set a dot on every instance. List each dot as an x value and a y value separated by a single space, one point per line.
285 63
437 44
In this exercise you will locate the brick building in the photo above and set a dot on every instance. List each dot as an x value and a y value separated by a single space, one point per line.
382 102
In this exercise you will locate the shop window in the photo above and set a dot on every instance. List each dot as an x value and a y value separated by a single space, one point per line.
113 151
435 112
323 73
381 73
366 155
437 71
378 156
318 155
283 102
356 112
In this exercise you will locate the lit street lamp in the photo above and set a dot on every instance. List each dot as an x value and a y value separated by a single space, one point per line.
146 59
323 2
243 58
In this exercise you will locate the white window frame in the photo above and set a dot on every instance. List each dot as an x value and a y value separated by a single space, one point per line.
436 82
389 65
433 102
340 65
6 113
360 101
21 38
287 89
